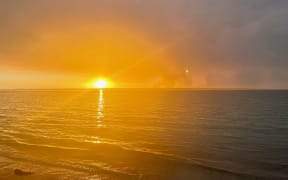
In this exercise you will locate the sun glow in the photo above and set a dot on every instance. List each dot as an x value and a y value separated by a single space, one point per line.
100 84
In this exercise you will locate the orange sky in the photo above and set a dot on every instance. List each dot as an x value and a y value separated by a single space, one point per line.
116 51
70 56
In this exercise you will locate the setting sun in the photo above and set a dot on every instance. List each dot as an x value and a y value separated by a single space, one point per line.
100 84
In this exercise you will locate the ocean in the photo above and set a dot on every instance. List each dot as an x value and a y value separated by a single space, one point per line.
144 134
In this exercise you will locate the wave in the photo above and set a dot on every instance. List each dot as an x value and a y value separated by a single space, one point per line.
70 167
131 156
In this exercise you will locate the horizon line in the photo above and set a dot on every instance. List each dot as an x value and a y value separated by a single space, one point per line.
131 88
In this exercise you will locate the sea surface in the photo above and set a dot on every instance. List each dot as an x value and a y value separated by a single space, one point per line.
144 134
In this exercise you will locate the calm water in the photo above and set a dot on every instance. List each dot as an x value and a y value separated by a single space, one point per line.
144 134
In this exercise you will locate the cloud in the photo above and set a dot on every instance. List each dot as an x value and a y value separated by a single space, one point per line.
245 39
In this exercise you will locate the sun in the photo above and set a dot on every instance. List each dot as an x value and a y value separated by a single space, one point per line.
100 84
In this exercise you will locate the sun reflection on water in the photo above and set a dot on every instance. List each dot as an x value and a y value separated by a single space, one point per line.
100 114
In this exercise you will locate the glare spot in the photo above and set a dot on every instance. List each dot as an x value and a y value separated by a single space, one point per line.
100 84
